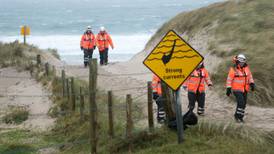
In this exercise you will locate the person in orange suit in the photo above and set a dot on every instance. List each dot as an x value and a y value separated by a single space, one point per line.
195 85
239 81
157 96
103 42
88 44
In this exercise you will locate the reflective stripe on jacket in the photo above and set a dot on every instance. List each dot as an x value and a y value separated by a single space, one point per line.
238 79
156 85
103 41
196 81
88 41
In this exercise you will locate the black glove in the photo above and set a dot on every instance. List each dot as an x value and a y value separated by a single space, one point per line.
155 95
94 47
228 91
81 48
252 86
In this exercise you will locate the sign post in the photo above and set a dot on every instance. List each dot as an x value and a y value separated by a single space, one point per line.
25 30
179 119
173 60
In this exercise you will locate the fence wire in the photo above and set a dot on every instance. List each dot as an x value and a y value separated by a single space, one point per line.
6 94
127 74
85 76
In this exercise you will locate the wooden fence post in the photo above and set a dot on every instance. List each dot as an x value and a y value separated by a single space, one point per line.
82 105
93 105
31 68
53 71
67 93
64 83
47 69
167 102
38 60
149 106
73 98
110 121
63 90
129 122
110 114
170 102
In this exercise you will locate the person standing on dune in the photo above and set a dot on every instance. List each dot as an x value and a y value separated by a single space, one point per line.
103 41
195 85
157 96
239 81
88 44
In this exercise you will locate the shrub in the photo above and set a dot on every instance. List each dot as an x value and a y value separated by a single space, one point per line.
16 115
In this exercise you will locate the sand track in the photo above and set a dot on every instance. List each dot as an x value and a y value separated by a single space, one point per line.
19 89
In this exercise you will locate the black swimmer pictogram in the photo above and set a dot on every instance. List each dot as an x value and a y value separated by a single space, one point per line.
167 58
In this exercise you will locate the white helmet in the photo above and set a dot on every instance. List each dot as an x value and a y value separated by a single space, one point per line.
241 58
201 65
102 29
88 28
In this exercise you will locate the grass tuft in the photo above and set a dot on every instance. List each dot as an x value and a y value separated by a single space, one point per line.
16 115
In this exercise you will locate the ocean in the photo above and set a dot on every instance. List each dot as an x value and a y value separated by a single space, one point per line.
59 24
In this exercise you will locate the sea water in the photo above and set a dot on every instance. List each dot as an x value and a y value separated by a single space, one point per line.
59 24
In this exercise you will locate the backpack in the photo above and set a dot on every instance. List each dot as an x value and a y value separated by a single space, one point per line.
189 118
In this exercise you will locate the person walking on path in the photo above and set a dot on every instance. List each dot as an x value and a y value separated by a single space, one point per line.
103 42
195 85
157 96
239 81
88 44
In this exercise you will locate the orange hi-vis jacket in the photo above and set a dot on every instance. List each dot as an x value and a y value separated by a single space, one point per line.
239 79
156 85
88 41
196 81
103 41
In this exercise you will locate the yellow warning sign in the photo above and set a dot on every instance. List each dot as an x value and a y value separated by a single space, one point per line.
173 60
25 30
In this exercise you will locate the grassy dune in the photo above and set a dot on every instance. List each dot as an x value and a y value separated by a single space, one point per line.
18 55
245 27
69 136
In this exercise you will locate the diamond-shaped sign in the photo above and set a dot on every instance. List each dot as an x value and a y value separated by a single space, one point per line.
173 60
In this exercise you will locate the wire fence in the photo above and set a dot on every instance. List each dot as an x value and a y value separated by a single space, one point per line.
7 94
139 91
78 76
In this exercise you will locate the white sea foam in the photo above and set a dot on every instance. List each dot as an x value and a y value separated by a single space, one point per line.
68 46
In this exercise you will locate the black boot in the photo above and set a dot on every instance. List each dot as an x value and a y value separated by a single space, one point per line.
238 119
241 120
